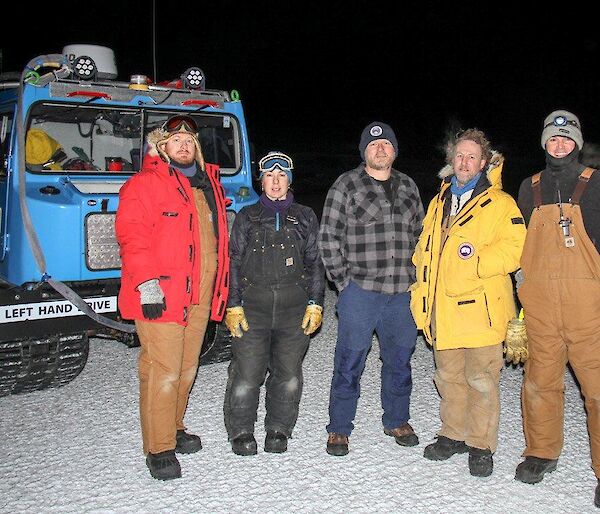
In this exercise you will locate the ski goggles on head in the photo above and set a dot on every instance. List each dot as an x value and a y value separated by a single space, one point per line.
562 121
275 160
180 123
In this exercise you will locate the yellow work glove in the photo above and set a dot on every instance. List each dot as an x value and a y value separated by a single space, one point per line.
313 317
515 344
235 321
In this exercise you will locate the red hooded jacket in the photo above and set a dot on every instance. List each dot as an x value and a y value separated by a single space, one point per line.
157 230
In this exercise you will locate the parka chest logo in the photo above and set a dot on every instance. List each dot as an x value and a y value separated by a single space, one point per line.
466 250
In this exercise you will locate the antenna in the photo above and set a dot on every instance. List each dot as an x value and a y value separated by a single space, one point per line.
154 39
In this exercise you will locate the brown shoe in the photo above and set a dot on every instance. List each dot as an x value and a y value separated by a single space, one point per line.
337 444
404 435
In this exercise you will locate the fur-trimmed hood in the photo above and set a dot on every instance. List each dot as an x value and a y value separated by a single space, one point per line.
493 170
157 139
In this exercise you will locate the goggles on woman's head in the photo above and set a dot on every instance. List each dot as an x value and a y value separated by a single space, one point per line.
275 160
180 123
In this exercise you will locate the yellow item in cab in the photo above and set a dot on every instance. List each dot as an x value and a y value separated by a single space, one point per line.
43 150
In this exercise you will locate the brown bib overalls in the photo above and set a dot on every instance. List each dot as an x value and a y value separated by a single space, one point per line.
561 300
169 354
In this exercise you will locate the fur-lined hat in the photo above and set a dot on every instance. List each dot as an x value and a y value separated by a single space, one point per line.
157 139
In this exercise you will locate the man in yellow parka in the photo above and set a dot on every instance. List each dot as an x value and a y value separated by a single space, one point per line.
472 239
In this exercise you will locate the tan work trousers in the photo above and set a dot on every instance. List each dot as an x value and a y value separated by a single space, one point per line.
561 302
170 352
468 381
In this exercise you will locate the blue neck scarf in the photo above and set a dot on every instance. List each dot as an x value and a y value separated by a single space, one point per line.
458 191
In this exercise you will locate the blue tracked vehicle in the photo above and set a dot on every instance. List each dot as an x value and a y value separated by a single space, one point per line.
71 134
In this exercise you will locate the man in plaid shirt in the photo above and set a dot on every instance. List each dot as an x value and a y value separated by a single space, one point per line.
370 225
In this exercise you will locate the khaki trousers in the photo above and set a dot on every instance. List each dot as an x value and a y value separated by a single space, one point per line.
468 381
168 363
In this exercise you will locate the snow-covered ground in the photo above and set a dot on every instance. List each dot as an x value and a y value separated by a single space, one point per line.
78 449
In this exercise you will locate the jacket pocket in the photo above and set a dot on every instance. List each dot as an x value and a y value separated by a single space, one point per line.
418 303
468 313
459 270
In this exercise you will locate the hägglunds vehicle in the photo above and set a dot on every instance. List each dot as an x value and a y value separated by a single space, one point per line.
71 134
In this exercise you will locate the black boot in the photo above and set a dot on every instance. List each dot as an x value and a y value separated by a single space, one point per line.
533 469
444 448
163 465
244 444
187 443
275 442
480 462
597 495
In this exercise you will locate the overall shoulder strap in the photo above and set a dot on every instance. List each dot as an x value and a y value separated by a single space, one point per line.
537 189
582 183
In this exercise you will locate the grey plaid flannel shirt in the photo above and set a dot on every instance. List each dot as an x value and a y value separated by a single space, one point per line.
366 239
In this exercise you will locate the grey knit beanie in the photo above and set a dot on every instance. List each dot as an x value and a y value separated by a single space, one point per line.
562 123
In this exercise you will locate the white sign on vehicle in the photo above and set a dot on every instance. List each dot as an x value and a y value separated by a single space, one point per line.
56 309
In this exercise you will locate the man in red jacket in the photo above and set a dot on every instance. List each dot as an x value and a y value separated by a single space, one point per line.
172 229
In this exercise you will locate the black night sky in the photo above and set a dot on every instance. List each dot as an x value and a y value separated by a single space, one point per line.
313 74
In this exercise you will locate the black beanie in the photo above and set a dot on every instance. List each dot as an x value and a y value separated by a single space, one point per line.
376 130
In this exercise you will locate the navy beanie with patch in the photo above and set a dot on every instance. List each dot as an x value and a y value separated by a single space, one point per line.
376 130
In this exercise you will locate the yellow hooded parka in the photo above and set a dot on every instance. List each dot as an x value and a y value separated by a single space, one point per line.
468 276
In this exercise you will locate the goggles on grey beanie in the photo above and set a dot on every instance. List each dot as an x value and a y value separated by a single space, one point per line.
276 160
562 123
376 130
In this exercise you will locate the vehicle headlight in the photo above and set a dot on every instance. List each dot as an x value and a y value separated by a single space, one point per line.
102 248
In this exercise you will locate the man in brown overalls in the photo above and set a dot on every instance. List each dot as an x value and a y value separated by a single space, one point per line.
560 293
171 226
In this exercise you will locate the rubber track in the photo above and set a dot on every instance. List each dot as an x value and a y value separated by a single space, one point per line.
32 365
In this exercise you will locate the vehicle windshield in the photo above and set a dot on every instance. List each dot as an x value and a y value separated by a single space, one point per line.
100 140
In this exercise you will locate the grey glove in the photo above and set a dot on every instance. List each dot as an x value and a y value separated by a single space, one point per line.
519 277
152 299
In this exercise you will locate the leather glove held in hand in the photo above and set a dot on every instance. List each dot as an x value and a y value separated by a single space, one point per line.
235 321
515 345
152 299
313 317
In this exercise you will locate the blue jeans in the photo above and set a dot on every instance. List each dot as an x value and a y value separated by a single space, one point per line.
360 314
